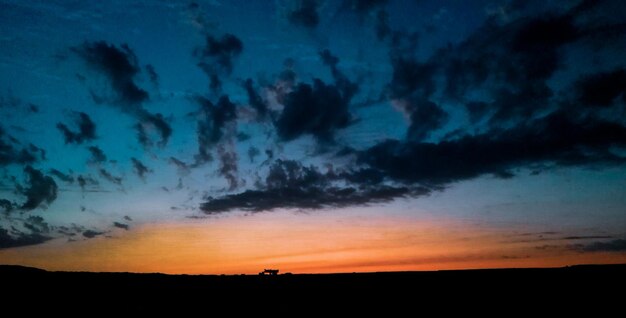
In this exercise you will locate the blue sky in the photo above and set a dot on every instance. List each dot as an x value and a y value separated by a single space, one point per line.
507 114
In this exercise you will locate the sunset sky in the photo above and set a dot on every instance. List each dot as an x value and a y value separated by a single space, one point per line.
312 135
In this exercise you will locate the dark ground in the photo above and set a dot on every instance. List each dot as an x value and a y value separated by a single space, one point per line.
593 289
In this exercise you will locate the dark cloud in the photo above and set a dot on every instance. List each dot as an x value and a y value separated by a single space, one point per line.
216 57
304 14
7 206
292 185
121 225
411 78
527 124
618 245
425 117
318 110
411 88
127 218
91 233
212 125
36 225
183 168
20 239
119 65
255 100
84 181
223 50
601 89
109 177
228 166
39 189
11 151
62 176
140 169
97 155
513 62
347 88
554 139
149 122
86 129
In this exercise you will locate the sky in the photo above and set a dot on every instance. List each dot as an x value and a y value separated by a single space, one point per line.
312 136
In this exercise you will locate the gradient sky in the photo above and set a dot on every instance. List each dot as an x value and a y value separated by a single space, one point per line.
312 136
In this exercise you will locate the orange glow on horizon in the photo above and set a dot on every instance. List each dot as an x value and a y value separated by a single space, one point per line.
298 244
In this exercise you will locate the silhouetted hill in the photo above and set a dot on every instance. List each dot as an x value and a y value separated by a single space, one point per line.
389 292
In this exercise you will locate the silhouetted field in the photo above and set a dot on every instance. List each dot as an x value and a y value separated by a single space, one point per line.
597 287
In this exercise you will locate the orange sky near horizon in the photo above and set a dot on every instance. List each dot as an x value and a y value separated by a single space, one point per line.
300 243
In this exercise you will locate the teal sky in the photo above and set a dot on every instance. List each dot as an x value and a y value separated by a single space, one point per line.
504 114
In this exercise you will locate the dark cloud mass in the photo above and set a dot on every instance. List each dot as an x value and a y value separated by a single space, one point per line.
527 122
86 129
21 239
11 151
39 189
119 65
557 139
602 89
292 185
216 57
317 109
212 125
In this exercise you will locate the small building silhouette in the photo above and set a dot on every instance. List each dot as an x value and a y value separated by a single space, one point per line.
270 272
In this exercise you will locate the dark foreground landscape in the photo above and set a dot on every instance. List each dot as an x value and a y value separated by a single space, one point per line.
595 287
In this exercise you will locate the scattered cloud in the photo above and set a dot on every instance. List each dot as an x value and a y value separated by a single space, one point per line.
67 178
120 65
91 233
97 155
109 177
214 123
618 245
140 169
121 225
217 56
86 129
